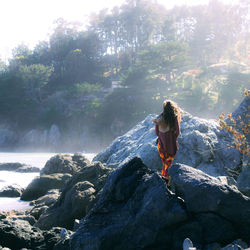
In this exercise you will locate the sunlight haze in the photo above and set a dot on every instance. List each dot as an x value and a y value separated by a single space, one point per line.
30 21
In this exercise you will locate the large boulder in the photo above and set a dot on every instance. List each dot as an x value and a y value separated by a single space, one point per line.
136 210
65 163
139 141
44 202
77 198
42 184
202 145
19 234
206 196
13 190
243 181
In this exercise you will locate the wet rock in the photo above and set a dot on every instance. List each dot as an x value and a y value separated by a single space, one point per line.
13 190
41 185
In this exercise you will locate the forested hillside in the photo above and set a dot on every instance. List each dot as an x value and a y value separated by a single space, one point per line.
104 79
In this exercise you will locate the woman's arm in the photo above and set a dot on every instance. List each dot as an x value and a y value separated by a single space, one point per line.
157 129
177 127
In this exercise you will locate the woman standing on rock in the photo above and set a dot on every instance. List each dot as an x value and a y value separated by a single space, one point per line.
167 128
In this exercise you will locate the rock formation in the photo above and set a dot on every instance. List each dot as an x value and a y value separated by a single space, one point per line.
135 210
202 146
77 198
13 190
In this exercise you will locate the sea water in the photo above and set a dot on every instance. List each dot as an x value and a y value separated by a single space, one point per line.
22 179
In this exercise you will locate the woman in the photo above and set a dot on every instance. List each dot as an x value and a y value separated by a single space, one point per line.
167 128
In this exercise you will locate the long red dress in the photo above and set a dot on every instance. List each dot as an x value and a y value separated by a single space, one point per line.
167 146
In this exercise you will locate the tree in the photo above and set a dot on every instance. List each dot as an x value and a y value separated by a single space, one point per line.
34 78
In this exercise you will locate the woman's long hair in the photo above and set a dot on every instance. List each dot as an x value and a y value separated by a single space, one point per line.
170 113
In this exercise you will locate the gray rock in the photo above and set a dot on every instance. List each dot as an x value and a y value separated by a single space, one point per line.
13 190
232 247
2 215
135 210
76 203
38 210
48 199
213 246
77 197
31 219
19 234
187 244
76 224
215 228
139 141
201 145
42 184
18 167
65 163
205 194
240 243
243 181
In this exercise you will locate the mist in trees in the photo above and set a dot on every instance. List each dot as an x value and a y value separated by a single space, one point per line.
106 78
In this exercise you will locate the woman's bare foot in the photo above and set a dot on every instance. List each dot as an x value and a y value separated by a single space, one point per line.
169 181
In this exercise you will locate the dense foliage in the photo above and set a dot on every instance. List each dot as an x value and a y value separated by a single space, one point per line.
111 75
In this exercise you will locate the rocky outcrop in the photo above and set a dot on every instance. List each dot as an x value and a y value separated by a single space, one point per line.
41 139
241 116
18 167
54 136
65 163
19 234
135 210
77 198
42 184
44 202
243 181
201 145
207 197
13 190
